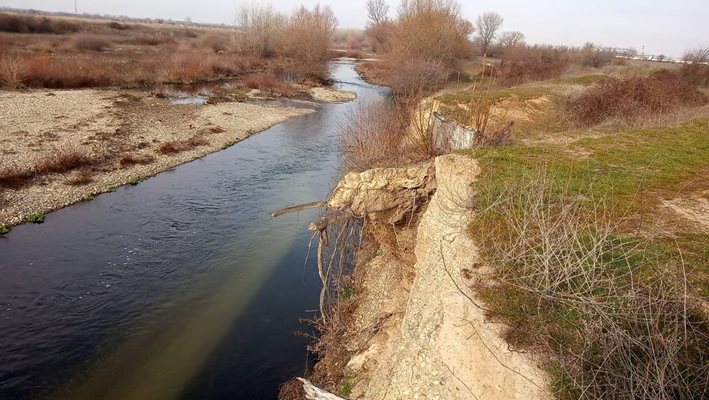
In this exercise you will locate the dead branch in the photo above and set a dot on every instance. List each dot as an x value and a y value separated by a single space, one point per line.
299 207
314 393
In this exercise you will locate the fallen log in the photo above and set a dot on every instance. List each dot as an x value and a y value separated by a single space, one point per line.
312 392
300 207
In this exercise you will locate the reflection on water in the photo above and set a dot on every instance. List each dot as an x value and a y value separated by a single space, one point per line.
180 287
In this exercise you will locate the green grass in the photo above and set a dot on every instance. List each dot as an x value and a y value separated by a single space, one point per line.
36 218
345 389
134 181
4 229
347 293
585 80
659 159
630 171
520 92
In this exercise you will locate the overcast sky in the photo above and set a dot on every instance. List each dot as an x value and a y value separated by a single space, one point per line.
663 27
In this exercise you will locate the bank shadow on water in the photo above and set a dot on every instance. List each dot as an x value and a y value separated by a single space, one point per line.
180 287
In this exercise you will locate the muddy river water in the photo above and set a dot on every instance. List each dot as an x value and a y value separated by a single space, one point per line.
182 287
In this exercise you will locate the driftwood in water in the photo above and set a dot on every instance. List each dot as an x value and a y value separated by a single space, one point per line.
319 227
300 207
312 392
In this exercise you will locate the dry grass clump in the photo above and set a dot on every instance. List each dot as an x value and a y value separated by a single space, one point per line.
178 146
57 161
91 42
84 177
215 129
61 160
610 310
373 136
68 72
215 41
262 81
13 176
635 97
136 159
13 69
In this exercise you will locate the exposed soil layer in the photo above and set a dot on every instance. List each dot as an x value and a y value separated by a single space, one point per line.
417 331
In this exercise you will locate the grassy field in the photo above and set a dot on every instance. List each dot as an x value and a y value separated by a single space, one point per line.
600 243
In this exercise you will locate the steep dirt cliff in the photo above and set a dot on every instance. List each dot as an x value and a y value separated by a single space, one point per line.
417 331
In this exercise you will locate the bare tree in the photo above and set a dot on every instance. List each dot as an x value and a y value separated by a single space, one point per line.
697 56
261 29
378 11
487 25
511 39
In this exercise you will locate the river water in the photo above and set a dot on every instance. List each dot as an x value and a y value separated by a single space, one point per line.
182 287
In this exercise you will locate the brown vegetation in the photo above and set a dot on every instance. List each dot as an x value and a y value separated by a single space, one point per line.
429 40
85 176
697 70
56 52
261 81
179 146
635 97
91 42
58 161
527 63
31 24
613 314
373 136
136 159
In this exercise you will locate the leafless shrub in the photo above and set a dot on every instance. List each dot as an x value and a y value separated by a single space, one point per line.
91 42
430 37
617 324
411 78
307 38
372 137
631 98
595 56
696 71
13 69
528 63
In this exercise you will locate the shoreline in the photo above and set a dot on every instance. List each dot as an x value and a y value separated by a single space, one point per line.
127 136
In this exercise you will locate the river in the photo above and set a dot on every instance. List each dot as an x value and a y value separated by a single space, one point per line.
182 287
